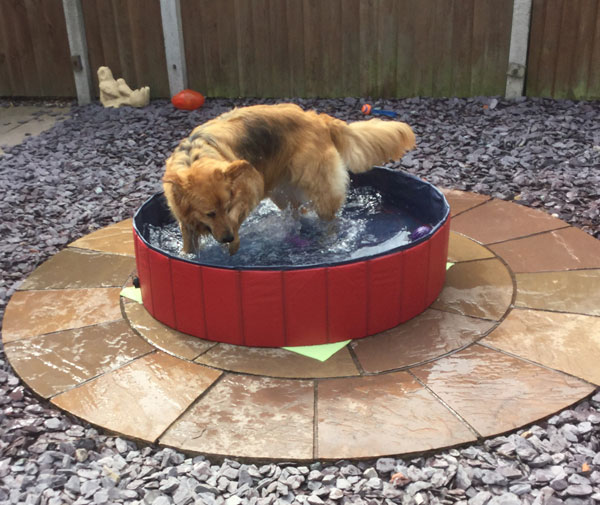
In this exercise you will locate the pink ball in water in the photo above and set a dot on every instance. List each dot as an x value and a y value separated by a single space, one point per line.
420 232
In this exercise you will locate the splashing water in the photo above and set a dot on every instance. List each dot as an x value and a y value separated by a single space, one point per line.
367 225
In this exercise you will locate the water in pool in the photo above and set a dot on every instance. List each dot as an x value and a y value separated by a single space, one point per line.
367 225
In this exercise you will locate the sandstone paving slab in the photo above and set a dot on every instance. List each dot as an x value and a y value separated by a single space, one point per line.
497 221
566 342
116 239
461 201
53 363
32 313
382 415
162 337
495 392
481 288
427 336
75 268
249 417
565 249
277 362
575 291
142 398
462 248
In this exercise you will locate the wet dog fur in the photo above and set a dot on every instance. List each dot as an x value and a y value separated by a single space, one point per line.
219 174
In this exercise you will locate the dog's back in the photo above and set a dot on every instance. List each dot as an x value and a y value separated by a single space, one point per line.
280 151
267 136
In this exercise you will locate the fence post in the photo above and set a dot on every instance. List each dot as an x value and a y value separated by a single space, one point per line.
170 11
78 49
519 45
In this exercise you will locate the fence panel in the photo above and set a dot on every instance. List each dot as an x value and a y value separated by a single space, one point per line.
126 35
347 47
34 49
564 49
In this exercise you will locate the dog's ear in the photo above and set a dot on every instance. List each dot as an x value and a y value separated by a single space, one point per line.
239 168
173 186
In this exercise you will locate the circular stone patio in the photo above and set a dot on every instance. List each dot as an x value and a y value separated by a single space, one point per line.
513 338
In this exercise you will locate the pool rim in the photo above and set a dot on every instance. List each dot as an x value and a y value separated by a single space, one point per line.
440 223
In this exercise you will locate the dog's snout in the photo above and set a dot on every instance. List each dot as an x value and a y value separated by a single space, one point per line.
227 238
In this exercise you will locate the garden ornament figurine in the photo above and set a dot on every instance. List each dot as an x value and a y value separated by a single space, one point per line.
114 93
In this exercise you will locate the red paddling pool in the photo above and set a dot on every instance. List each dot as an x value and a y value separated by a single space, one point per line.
287 305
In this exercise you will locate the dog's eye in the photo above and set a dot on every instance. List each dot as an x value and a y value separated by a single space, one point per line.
211 213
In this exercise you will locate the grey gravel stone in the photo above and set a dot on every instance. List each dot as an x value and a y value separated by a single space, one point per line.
481 498
162 500
121 445
541 461
385 465
336 494
53 424
493 478
509 471
343 484
315 475
463 481
543 475
578 479
370 473
520 488
169 486
73 485
505 499
579 490
525 449
559 483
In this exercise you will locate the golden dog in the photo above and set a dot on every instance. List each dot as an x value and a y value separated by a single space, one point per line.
217 175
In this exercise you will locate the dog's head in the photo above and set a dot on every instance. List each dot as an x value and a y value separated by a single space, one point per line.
212 197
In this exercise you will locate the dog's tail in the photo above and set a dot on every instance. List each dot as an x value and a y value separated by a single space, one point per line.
366 143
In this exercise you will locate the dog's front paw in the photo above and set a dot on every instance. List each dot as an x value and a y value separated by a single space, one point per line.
234 247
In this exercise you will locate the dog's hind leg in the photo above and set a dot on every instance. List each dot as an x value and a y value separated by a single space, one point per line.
327 189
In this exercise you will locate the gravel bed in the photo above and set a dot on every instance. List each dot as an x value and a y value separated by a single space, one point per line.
99 165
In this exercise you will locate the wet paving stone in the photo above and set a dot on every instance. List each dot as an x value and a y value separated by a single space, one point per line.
162 337
566 342
576 291
566 249
75 269
481 288
495 392
462 248
142 398
381 415
32 313
460 201
116 239
276 362
273 418
59 361
427 336
497 221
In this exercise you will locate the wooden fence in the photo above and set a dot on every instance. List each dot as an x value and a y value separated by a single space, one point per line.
564 50
329 48
347 47
34 49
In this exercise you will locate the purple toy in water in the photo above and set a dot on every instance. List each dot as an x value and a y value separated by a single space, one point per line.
420 232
